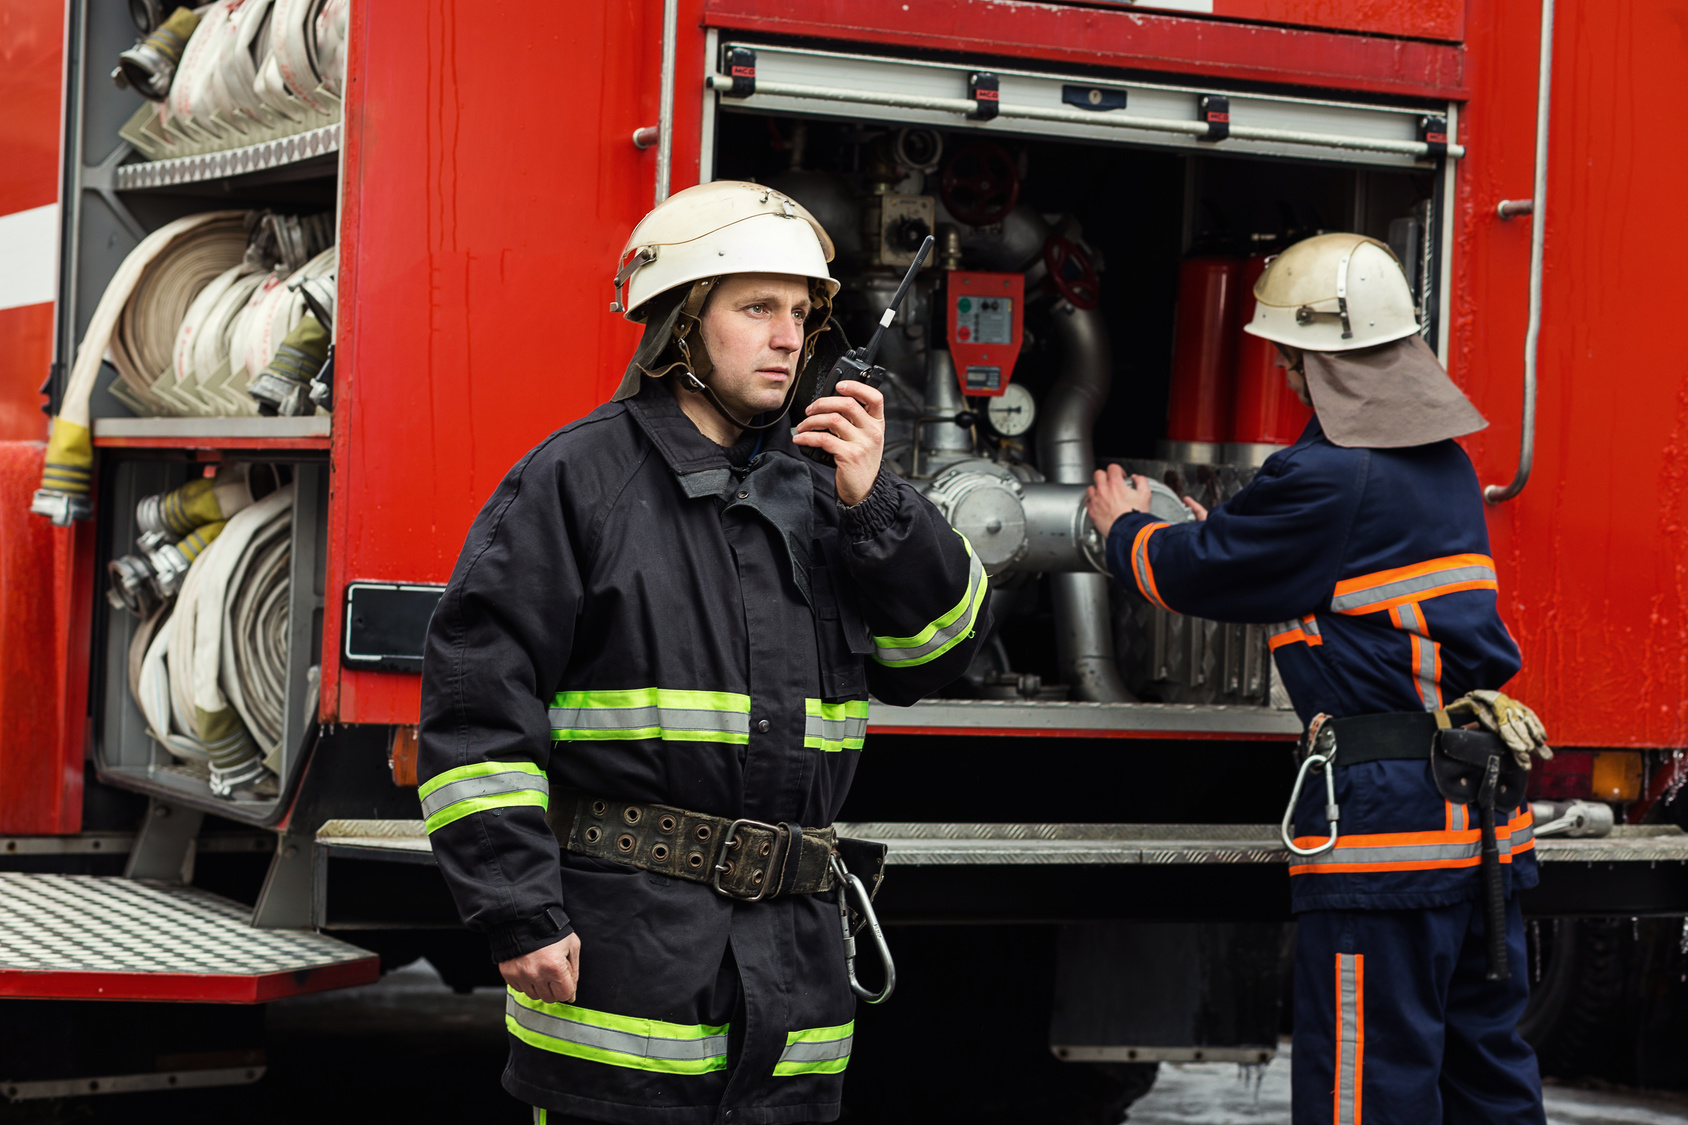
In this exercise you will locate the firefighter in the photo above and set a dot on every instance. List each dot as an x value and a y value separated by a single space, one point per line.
645 689
1366 539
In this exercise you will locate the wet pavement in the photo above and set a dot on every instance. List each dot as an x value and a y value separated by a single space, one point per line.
1226 1094
409 1050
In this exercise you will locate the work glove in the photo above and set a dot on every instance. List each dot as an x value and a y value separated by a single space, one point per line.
1515 723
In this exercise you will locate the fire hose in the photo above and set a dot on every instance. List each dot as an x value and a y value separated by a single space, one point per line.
212 682
194 316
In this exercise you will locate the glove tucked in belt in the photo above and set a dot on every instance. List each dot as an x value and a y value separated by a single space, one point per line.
741 859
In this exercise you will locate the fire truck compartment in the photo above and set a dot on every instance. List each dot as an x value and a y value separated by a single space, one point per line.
107 938
1120 225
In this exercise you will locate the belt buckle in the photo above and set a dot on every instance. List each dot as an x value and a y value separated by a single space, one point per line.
726 842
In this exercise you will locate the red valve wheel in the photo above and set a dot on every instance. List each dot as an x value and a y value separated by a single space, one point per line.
1072 272
981 184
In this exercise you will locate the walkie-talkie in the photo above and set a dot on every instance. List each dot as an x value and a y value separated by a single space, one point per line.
857 363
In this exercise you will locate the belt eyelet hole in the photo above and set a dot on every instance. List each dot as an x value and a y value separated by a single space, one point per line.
599 808
757 878
667 823
593 835
630 815
767 849
727 868
659 852
695 860
625 843
703 832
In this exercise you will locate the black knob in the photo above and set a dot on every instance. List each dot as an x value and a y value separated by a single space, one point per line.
909 234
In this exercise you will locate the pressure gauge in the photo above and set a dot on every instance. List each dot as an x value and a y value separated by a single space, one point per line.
1012 412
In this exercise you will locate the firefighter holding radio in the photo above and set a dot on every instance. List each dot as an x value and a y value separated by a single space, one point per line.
1366 540
645 690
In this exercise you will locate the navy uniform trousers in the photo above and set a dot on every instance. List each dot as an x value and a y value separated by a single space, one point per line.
1395 1023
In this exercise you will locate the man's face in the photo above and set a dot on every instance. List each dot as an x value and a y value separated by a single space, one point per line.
1289 358
752 326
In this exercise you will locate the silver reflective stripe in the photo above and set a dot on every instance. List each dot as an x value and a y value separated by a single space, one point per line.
819 1050
1403 853
966 615
667 719
1459 817
1520 836
491 785
1350 1035
1411 620
1311 624
1407 587
835 730
619 1042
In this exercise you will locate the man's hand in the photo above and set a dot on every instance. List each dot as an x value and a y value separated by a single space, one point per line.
851 426
550 974
1113 495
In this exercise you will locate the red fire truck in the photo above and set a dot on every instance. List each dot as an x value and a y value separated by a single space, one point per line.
443 189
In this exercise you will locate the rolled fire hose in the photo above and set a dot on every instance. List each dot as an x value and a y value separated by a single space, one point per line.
142 347
254 651
197 635
308 53
65 480
190 93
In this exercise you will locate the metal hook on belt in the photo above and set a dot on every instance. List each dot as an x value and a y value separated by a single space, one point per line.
848 884
1327 761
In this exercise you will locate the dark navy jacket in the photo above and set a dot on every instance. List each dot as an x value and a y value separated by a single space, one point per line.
1374 564
639 614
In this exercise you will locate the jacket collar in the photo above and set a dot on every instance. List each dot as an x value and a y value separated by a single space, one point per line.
700 466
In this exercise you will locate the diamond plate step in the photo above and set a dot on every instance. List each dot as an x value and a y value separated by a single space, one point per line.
103 938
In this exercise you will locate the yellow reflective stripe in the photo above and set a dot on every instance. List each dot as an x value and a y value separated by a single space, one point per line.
944 633
671 714
604 1037
450 796
816 1050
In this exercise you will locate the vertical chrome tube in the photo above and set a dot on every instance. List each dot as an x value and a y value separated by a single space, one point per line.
1084 639
665 126
1495 494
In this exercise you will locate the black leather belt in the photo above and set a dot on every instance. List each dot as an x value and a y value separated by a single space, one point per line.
1388 736
739 858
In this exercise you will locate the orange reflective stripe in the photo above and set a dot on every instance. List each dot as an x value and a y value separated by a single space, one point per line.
1415 851
1386 589
1142 569
1305 631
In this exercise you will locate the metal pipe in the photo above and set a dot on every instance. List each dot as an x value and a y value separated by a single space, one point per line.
1495 494
941 443
665 126
1084 640
1112 119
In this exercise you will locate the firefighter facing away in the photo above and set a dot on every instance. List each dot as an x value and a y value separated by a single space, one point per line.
646 687
1366 540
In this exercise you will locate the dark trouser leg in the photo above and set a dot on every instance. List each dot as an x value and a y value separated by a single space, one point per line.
1370 990
1489 1075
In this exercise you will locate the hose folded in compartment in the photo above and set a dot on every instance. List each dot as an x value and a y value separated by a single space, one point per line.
209 691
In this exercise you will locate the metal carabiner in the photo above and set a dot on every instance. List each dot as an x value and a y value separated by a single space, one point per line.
847 883
1333 813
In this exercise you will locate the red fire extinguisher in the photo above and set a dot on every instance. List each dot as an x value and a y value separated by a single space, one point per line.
1210 290
1267 411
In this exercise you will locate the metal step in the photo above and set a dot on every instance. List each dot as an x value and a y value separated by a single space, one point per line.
966 845
105 938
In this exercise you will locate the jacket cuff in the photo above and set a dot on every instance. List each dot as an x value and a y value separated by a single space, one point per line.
514 939
877 511
1117 549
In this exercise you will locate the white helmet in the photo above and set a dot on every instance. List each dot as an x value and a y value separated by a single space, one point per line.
722 227
1333 293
